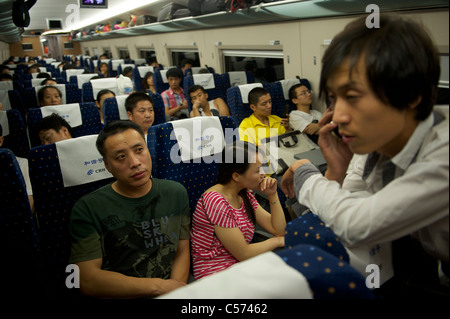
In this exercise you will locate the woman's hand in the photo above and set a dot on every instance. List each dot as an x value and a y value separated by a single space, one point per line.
268 186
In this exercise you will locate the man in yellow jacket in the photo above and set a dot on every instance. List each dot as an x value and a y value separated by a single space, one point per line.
261 123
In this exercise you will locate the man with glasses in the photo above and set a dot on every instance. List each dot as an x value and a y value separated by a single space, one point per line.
304 119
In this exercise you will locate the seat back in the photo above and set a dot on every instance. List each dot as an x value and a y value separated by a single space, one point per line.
213 93
160 81
16 219
114 109
17 138
53 203
90 121
235 78
238 105
80 79
91 88
19 242
195 176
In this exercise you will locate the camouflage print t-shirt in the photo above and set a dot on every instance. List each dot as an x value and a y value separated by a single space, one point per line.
135 236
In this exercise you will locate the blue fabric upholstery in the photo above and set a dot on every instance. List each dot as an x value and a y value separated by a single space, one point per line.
160 86
17 140
53 205
21 267
195 177
328 276
16 218
87 93
310 229
90 117
16 101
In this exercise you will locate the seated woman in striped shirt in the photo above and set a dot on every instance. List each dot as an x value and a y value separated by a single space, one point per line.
224 220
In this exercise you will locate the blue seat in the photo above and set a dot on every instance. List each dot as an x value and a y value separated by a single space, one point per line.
227 83
111 109
87 94
195 177
53 206
238 109
17 139
160 86
16 219
328 276
19 241
217 92
90 117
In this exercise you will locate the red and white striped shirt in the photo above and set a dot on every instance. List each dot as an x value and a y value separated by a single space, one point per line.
208 254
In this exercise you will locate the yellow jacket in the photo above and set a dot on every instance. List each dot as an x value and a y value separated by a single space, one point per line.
253 130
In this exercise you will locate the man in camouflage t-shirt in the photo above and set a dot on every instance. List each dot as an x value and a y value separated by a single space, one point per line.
131 238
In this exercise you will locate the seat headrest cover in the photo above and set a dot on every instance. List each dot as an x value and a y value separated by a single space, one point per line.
80 161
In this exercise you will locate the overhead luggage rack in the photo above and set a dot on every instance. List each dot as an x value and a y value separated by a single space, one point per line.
264 13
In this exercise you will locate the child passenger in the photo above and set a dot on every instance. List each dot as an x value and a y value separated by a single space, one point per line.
224 220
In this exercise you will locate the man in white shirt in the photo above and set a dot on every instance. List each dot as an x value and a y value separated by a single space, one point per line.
304 118
382 95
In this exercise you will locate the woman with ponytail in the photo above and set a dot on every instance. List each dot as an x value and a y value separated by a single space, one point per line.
224 221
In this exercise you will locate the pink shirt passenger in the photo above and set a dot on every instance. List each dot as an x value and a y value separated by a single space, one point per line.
208 254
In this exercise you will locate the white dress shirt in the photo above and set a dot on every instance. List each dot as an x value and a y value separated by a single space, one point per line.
408 194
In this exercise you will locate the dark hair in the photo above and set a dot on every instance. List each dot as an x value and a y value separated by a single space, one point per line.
175 73
127 70
186 61
145 78
240 153
43 75
1 130
53 121
44 82
6 77
255 94
194 88
401 61
292 94
113 128
103 92
134 98
42 91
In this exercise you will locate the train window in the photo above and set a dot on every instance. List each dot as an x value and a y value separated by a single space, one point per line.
147 53
124 54
27 46
181 54
68 45
267 66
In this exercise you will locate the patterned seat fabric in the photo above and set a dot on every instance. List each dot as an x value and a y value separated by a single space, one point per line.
17 140
53 205
195 177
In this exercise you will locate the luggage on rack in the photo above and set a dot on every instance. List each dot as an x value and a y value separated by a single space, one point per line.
211 6
166 13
